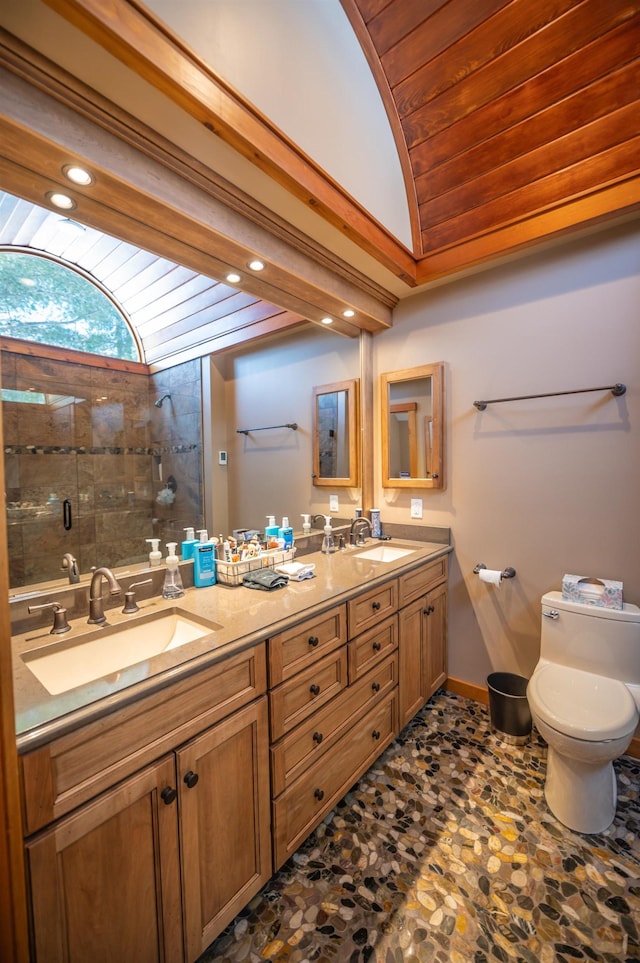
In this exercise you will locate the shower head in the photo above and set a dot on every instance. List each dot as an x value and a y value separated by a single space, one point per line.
158 403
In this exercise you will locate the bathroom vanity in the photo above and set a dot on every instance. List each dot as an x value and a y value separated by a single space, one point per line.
154 812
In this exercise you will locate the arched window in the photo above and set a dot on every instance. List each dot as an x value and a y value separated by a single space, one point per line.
45 300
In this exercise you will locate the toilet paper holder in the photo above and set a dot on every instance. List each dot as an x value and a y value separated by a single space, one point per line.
506 573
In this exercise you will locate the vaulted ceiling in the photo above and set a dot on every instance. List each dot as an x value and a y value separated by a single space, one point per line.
515 122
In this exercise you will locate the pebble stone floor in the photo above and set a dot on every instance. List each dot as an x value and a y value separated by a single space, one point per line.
445 851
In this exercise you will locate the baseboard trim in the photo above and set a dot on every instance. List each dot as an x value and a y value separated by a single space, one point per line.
479 693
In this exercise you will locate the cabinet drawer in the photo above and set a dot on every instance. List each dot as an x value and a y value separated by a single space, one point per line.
296 699
370 608
72 769
422 580
298 811
294 650
317 735
371 647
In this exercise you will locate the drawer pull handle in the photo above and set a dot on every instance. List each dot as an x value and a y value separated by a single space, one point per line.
313 641
319 794
377 646
168 795
318 737
314 689
375 686
375 734
429 609
191 778
375 606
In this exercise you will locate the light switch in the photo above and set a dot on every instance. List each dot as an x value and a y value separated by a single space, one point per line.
416 508
334 505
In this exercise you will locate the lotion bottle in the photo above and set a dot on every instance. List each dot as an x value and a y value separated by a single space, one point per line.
173 588
306 524
204 561
286 533
188 544
155 556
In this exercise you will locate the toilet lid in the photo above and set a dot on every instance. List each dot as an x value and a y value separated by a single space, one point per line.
581 704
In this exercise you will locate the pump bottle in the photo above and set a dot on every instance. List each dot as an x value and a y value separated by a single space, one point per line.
188 545
155 556
328 542
286 534
172 588
204 561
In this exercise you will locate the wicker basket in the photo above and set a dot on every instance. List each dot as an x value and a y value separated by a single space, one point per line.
232 573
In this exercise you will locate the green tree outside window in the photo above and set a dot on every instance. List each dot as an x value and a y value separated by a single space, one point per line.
44 300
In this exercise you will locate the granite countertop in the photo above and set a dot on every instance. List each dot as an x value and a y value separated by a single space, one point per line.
243 618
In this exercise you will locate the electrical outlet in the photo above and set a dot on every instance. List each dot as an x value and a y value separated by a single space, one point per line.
416 508
334 505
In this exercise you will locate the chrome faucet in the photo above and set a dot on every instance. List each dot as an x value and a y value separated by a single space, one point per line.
96 609
71 565
356 536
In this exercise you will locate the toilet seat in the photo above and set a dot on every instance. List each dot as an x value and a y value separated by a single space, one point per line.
580 704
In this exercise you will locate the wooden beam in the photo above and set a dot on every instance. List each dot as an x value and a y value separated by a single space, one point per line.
147 47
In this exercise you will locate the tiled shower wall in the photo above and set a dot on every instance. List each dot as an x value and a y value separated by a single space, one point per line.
92 439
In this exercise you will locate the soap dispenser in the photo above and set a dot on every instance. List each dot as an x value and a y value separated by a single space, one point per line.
306 524
172 588
155 556
328 542
286 534
204 561
270 529
188 545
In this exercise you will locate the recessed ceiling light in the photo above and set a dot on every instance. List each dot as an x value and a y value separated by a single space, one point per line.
78 175
348 313
63 201
327 320
256 265
233 278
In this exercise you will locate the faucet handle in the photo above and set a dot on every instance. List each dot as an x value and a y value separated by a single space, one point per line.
130 604
60 623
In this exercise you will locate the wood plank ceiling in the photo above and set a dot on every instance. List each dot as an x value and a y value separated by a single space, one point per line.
516 118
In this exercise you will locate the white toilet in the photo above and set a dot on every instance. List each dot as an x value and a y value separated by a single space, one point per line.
584 697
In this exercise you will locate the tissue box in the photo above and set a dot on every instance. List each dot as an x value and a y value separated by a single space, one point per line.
602 592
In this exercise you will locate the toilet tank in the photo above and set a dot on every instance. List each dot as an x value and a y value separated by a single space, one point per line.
603 641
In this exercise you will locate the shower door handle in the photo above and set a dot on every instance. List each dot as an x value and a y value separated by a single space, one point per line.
67 519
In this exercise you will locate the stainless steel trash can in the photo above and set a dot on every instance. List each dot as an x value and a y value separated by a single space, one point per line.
509 708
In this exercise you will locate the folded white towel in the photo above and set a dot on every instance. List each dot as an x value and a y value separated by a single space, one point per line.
297 570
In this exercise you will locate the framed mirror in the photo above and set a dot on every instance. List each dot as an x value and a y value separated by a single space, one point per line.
335 435
412 403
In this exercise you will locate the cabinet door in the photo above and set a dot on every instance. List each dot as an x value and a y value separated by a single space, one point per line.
434 653
105 881
223 778
422 651
410 645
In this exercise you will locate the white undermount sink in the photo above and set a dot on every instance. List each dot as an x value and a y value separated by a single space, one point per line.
385 553
65 664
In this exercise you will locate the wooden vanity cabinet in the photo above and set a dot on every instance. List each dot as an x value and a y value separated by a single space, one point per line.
422 636
105 881
155 866
322 743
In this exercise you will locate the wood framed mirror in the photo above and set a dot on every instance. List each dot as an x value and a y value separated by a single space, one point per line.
336 460
412 403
